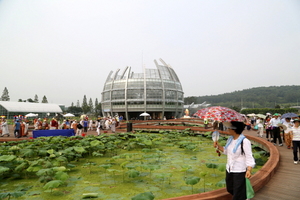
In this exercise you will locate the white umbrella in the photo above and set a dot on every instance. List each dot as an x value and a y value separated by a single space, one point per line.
144 114
69 115
31 115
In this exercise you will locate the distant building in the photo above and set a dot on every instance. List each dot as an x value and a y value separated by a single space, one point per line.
155 91
10 109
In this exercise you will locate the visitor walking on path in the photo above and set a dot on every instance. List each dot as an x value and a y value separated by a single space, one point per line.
17 129
85 125
287 134
260 127
98 128
275 129
113 125
240 160
269 133
4 127
296 140
79 128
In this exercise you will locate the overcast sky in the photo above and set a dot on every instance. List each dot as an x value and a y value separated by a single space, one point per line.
65 49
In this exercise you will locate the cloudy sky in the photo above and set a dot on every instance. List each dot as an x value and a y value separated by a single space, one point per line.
65 49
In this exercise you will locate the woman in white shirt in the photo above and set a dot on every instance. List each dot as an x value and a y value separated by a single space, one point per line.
296 139
240 160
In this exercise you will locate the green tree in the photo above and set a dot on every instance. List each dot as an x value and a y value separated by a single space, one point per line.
96 105
44 99
85 107
72 104
30 100
5 95
78 104
91 105
75 110
20 100
36 99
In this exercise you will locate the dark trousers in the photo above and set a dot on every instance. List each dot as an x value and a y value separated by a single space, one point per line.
85 129
17 133
296 146
269 133
236 185
276 134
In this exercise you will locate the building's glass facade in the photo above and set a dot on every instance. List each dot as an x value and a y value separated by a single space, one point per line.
156 91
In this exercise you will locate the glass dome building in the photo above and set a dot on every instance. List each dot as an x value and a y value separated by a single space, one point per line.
155 91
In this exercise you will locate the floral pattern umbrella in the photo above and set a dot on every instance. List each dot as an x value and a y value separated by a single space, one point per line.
220 114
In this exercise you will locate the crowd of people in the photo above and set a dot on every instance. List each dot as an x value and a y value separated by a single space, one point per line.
20 128
276 129
80 127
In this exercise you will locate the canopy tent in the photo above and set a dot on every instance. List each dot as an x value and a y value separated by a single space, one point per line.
31 115
144 114
10 109
69 115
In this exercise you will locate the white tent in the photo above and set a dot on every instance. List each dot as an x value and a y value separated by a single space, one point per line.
144 114
69 115
31 115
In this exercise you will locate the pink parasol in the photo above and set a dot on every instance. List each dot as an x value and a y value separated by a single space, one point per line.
220 114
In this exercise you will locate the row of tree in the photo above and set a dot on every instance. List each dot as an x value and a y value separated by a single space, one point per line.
260 97
35 100
86 107
5 97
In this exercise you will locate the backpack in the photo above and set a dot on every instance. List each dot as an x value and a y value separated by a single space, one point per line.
79 126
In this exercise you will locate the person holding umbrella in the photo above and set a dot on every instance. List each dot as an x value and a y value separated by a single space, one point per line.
240 160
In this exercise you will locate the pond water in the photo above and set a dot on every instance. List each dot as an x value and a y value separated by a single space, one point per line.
162 166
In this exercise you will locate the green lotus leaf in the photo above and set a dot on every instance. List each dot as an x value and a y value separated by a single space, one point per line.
34 168
192 180
53 184
222 167
43 172
105 166
50 151
89 195
79 149
11 194
203 174
133 173
221 183
60 169
3 169
61 176
148 142
7 158
95 143
21 166
14 148
97 154
211 165
256 155
144 196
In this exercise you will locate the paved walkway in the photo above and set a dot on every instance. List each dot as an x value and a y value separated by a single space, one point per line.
284 183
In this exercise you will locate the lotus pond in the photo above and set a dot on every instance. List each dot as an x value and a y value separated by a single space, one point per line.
111 167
